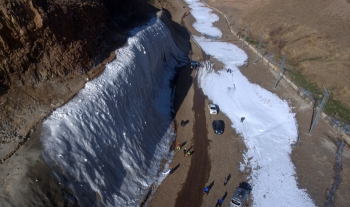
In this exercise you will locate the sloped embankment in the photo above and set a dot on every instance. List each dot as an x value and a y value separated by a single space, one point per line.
48 49
123 115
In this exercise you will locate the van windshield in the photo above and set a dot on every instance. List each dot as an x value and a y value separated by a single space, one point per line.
235 202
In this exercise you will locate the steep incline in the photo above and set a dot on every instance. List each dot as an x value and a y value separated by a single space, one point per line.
48 49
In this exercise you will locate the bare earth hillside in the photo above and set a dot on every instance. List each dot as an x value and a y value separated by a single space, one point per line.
49 49
313 34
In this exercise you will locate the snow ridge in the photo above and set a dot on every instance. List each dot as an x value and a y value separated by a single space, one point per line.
106 144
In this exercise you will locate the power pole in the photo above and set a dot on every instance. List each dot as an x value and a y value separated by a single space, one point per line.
320 109
257 52
245 34
280 71
235 26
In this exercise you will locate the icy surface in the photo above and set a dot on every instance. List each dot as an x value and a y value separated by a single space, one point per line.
106 144
269 127
205 18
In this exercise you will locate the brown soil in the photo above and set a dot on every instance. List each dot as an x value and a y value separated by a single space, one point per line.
314 35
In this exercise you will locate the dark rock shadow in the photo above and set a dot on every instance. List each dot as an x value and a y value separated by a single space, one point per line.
218 108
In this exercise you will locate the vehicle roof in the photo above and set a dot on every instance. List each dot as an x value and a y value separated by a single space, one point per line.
240 194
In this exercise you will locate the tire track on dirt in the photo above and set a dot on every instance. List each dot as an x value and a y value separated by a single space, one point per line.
191 193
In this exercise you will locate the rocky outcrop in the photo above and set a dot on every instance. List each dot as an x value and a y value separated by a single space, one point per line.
48 49
42 40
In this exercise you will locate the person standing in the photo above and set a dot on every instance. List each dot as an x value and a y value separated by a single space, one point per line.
242 119
220 201
183 123
206 190
225 181
185 151
178 146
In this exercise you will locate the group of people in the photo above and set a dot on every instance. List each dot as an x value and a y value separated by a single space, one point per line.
186 152
207 189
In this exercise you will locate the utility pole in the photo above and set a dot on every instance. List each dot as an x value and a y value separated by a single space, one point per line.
320 109
245 34
280 71
257 52
235 26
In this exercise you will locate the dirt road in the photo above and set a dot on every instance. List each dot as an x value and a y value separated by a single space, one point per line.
314 158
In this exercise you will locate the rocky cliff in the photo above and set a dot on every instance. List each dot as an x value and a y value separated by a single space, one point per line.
42 40
49 48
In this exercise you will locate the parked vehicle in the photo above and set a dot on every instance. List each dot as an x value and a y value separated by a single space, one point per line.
241 195
213 109
195 64
218 126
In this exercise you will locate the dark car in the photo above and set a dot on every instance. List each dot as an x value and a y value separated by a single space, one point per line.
194 64
241 195
218 126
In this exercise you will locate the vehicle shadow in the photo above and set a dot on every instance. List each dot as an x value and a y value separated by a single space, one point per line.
218 108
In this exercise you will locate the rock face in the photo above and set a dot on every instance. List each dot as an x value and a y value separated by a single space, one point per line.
42 40
48 49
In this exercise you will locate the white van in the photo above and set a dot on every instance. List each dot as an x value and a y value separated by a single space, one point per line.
241 195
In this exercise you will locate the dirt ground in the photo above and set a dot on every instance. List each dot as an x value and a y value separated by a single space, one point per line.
314 158
313 34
